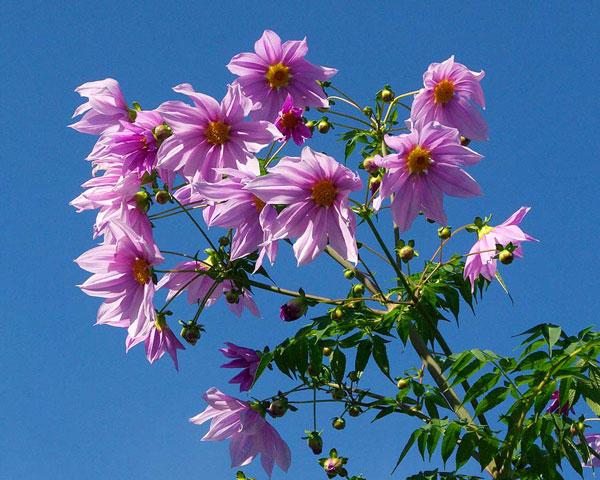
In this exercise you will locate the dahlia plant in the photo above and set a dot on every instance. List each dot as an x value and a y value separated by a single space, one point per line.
231 165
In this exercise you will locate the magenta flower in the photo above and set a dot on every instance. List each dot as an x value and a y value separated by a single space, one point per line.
239 208
481 259
448 97
275 71
159 339
200 287
104 108
290 122
244 358
249 432
593 441
293 309
209 136
315 189
426 165
123 275
555 407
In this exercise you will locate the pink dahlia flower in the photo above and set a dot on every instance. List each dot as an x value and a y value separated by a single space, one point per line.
239 208
275 71
248 431
315 189
426 165
481 259
123 275
159 339
450 92
290 122
593 441
104 108
555 407
244 358
199 288
210 135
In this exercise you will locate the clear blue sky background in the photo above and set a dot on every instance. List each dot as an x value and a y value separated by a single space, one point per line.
74 405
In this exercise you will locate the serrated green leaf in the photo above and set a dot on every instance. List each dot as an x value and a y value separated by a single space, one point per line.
465 449
482 385
380 356
449 441
492 399
265 359
363 353
338 365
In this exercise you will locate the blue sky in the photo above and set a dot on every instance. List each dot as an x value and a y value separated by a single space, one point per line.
74 404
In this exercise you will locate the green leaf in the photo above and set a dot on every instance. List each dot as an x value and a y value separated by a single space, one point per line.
551 334
449 441
501 282
338 365
413 438
465 449
363 353
432 440
265 359
492 399
482 385
380 356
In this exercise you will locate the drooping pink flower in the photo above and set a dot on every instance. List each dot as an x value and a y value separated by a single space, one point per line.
555 407
210 135
201 284
104 108
159 339
236 207
448 97
426 165
248 431
593 441
275 71
244 358
481 259
290 122
315 189
123 275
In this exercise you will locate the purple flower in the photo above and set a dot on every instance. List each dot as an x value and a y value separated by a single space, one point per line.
555 407
200 287
315 189
249 432
104 108
449 90
481 259
593 441
293 309
210 135
239 208
123 275
244 358
426 165
275 71
290 122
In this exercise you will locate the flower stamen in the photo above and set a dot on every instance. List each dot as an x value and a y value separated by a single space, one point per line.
418 160
324 193
289 121
140 271
217 133
278 75
258 203
484 231
443 92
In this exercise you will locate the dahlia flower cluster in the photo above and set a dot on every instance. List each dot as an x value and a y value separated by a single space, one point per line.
222 159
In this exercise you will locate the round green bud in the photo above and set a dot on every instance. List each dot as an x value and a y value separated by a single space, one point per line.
406 254
354 411
368 111
323 126
311 125
358 289
337 314
464 141
326 351
232 296
142 200
277 408
161 133
402 383
444 233
190 333
338 423
506 257
349 274
387 95
162 197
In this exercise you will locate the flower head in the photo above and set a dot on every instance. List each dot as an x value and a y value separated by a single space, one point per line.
293 309
276 70
248 431
426 165
210 135
593 441
448 97
315 189
555 407
481 259
290 122
244 358
104 109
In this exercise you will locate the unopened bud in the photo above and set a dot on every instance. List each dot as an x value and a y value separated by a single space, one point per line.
232 296
161 133
506 257
315 443
337 314
444 232
278 407
349 274
323 126
374 184
311 126
387 95
162 197
402 383
354 411
326 351
464 141
339 423
333 466
358 289
142 200
191 334
368 111
369 166
293 309
406 253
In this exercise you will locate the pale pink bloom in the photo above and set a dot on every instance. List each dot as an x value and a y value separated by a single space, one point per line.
248 431
481 259
315 189
450 92
200 287
104 108
159 339
123 275
244 358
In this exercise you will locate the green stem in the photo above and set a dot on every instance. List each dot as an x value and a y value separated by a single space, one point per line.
195 223
349 116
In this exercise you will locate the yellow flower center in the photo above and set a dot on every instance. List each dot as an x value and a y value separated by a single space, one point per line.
140 271
160 322
278 75
289 121
258 203
443 92
484 231
418 160
217 132
324 193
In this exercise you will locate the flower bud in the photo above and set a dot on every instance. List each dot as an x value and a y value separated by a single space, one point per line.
333 466
374 184
349 274
323 126
387 95
326 351
368 111
354 411
339 423
506 257
464 141
315 442
337 314
369 166
190 333
142 200
232 296
162 197
444 232
406 253
311 126
402 383
293 309
161 133
278 407
358 289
